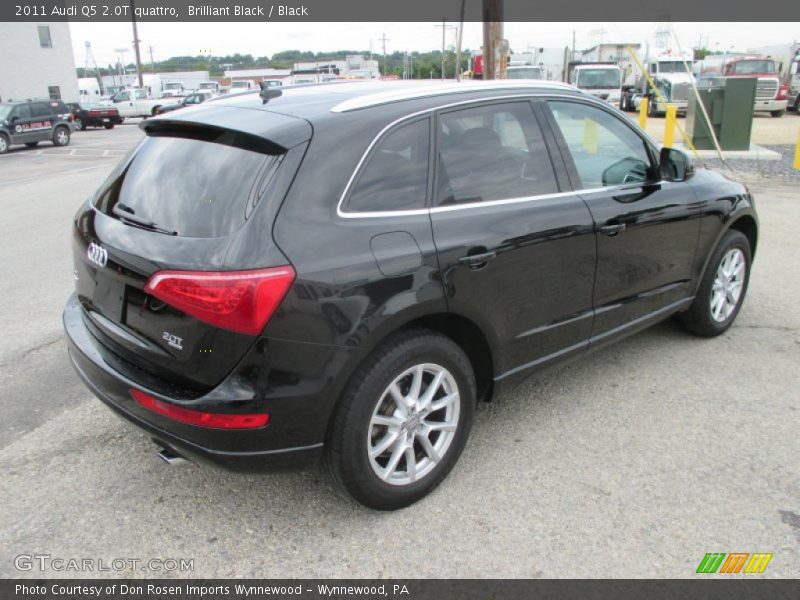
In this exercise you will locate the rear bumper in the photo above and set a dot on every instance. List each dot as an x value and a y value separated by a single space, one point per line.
769 105
292 439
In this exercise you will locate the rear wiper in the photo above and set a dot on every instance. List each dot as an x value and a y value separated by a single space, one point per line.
149 225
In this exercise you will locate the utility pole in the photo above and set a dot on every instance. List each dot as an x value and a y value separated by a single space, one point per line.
152 61
122 70
136 47
460 36
494 49
383 39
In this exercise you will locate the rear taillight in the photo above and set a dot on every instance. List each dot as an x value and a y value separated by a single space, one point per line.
241 301
783 92
197 417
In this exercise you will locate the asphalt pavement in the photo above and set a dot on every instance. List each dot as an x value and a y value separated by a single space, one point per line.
633 462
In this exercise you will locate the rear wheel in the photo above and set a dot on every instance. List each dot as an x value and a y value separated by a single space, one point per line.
3 143
722 289
80 124
108 125
61 136
403 420
777 113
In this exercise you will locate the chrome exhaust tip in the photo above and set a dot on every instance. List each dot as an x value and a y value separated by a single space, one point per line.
171 457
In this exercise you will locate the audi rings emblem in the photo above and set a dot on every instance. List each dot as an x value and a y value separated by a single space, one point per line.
97 254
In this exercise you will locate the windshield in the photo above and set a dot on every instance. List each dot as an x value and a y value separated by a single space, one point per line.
524 73
746 67
675 66
598 79
191 187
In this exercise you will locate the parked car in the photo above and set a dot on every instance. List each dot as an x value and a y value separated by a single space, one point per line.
93 115
133 103
32 121
305 293
190 100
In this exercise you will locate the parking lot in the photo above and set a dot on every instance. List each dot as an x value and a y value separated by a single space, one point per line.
634 462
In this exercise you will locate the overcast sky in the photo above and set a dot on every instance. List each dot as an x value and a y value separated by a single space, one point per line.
260 39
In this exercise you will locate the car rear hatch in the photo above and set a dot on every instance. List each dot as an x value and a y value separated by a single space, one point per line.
196 199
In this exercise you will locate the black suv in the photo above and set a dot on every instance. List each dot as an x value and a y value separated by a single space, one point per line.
32 121
344 270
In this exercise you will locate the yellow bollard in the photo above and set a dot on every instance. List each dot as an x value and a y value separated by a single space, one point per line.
796 164
643 113
669 126
590 136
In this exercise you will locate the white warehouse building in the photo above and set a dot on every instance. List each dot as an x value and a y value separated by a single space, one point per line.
36 61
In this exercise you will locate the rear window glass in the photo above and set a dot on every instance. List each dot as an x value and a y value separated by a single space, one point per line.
190 187
395 177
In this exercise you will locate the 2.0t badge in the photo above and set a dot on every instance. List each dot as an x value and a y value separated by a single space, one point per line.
97 254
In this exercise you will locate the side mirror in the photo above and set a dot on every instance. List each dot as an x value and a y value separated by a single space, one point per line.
674 165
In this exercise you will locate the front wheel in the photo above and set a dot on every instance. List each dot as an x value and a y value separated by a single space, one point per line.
108 125
3 143
777 113
402 421
722 289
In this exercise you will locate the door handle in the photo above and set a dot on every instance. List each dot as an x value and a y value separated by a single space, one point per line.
476 261
612 230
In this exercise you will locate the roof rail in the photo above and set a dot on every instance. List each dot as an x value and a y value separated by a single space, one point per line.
439 89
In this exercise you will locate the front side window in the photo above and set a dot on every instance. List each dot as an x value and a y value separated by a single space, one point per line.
122 97
604 150
22 111
44 37
395 176
492 152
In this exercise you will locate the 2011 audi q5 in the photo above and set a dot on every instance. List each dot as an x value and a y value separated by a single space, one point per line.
344 270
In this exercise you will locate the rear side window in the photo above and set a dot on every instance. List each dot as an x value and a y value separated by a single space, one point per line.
40 109
395 176
191 187
492 152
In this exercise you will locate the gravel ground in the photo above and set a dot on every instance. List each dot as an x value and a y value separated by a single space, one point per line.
775 171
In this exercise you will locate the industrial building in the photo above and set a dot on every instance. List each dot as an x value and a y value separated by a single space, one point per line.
36 61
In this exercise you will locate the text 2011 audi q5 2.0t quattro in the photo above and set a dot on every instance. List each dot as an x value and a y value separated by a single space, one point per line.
344 270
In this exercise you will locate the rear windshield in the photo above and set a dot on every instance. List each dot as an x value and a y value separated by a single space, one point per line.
187 187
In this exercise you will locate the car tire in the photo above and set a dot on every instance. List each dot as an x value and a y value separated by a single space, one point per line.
154 112
31 144
370 412
80 124
797 105
777 113
61 136
651 109
108 125
4 143
722 289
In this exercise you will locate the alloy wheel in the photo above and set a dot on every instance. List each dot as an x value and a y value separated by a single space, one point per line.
413 424
728 285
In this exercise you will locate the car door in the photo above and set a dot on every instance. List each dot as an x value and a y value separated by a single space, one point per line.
20 119
647 228
124 103
516 251
41 121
